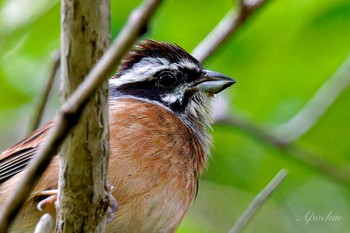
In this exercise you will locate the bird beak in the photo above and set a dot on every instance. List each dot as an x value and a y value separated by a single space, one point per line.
213 82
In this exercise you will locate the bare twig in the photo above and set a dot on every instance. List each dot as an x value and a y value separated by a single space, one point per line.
226 28
44 225
304 157
258 201
303 121
39 109
317 106
70 111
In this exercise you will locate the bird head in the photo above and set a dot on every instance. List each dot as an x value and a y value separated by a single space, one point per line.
166 74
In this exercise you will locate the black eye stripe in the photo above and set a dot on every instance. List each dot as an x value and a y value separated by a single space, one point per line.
191 75
165 82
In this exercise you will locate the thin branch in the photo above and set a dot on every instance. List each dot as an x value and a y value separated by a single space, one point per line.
303 121
226 28
317 106
70 111
44 225
39 109
304 157
258 201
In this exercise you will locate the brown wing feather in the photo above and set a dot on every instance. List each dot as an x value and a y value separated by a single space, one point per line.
16 158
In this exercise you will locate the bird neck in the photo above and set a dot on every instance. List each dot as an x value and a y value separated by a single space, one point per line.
198 119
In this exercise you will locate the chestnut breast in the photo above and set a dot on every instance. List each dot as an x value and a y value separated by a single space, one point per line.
153 166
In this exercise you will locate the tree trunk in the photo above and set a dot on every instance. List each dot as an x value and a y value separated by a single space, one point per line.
84 155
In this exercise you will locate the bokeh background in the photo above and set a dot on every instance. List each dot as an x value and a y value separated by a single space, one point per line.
280 57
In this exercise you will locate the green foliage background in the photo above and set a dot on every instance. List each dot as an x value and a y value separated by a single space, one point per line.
280 58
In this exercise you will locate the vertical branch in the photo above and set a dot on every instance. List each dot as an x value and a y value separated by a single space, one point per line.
84 155
70 112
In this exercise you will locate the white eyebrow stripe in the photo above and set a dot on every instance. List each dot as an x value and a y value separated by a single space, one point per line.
185 63
139 75
148 66
143 70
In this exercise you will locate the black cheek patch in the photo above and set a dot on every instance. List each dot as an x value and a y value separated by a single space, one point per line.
180 107
148 90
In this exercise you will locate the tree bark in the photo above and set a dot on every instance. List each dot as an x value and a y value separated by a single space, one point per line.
84 155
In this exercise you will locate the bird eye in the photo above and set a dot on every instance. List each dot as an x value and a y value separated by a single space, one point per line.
167 79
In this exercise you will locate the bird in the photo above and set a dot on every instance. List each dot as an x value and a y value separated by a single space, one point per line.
160 114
